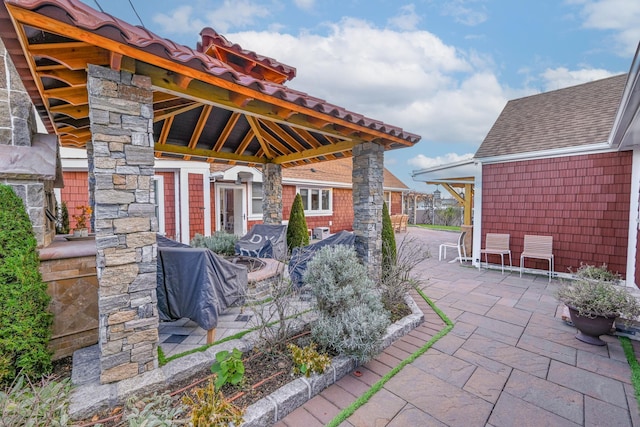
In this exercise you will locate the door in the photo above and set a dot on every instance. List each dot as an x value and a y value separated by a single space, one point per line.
231 215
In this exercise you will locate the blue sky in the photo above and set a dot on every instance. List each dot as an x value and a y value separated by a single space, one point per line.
443 69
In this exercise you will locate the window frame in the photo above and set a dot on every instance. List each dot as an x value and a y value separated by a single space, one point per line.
310 189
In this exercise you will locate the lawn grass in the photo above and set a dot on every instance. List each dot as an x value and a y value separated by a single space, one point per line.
633 364
439 227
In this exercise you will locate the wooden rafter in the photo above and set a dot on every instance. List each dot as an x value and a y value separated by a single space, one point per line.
73 55
166 127
206 154
228 127
255 127
202 121
72 95
320 151
73 111
73 78
175 111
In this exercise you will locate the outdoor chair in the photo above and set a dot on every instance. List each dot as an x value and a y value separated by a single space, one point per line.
403 223
459 246
540 247
496 244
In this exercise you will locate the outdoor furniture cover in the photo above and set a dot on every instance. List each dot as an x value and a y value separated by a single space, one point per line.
196 283
264 241
302 255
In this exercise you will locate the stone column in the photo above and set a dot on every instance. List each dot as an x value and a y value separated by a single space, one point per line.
272 194
368 173
121 113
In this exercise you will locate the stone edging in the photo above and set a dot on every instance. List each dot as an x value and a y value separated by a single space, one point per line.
89 398
277 405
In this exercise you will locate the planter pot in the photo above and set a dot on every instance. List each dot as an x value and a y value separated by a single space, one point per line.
590 329
81 232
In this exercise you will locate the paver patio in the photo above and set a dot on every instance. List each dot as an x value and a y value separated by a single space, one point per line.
509 361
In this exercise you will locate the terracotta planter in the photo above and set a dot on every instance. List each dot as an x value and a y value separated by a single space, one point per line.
589 329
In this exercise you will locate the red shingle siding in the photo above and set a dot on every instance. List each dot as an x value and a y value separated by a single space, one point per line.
169 203
196 205
396 203
582 201
75 193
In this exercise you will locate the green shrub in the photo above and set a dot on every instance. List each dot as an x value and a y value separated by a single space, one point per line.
351 318
24 403
297 234
219 242
307 360
228 367
389 251
25 323
157 410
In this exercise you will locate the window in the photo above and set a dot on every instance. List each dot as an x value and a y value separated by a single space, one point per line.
316 200
158 191
256 199
387 198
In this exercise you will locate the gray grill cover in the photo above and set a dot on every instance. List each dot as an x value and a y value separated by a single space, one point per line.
264 241
197 284
301 256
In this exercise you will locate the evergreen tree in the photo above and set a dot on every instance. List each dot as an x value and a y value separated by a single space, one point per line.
25 323
297 234
388 241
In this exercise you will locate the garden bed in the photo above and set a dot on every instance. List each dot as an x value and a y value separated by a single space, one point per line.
273 400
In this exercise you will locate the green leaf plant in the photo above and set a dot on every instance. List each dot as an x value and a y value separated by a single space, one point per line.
228 368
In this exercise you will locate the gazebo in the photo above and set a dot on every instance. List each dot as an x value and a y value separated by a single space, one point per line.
129 96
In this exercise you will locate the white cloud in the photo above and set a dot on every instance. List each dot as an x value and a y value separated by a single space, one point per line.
619 16
558 78
407 19
466 12
231 14
179 20
305 4
423 162
409 79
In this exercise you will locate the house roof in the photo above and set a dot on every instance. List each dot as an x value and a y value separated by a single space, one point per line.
218 102
334 171
574 116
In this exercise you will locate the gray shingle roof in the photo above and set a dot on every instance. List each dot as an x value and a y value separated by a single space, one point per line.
574 116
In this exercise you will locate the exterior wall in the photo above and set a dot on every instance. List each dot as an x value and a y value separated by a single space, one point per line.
342 218
196 205
169 203
32 182
582 201
75 193
396 203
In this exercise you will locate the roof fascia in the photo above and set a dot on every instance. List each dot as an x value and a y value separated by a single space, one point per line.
628 111
602 147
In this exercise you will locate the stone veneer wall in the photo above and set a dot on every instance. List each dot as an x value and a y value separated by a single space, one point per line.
121 113
17 127
368 170
272 194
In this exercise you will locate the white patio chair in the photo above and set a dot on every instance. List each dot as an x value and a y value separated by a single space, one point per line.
540 247
496 244
459 246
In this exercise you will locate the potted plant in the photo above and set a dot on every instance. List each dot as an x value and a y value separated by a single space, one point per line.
81 219
595 300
